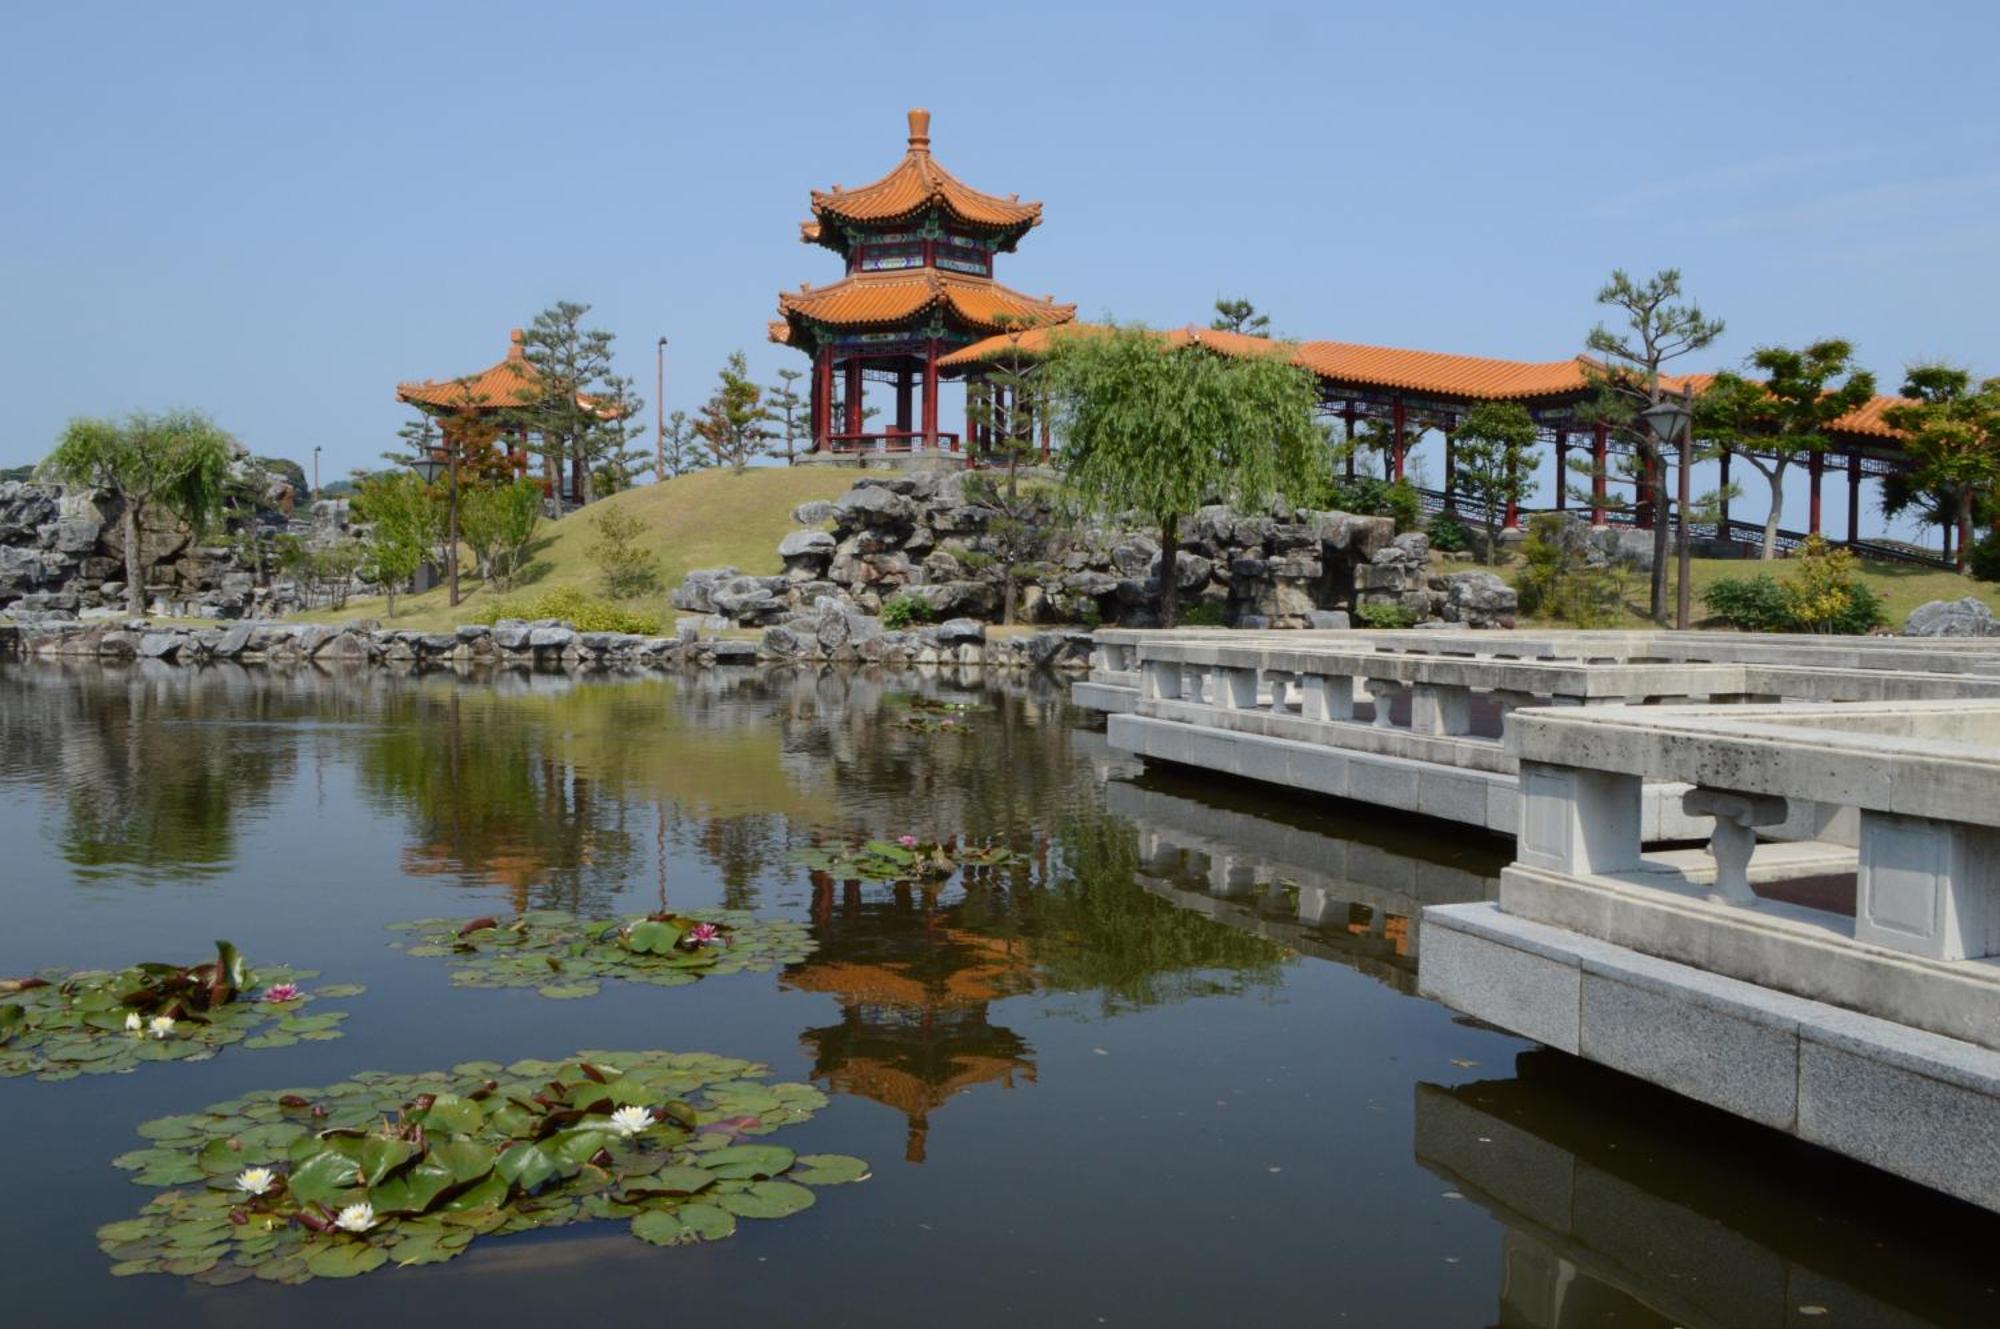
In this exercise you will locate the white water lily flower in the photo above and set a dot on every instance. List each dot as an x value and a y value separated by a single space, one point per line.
631 1120
255 1180
133 1024
355 1218
161 1026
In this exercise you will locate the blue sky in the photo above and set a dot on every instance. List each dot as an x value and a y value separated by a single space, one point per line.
275 212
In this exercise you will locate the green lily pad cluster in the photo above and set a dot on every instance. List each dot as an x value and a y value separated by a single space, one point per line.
561 955
290 1185
907 859
57 1025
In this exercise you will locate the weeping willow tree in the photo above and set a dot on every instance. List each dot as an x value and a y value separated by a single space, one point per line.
1162 429
177 462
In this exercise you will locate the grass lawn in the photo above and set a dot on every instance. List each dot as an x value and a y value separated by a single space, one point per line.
708 519
1901 586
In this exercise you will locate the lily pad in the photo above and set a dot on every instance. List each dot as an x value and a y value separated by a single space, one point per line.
563 956
385 1169
56 1025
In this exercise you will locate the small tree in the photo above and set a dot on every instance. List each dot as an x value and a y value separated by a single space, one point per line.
498 521
1240 316
1773 423
682 449
732 420
788 408
1626 374
177 463
1494 448
1164 430
583 412
406 522
627 569
1952 439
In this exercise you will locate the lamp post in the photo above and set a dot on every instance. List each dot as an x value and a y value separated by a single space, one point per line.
1671 421
428 467
660 414
316 448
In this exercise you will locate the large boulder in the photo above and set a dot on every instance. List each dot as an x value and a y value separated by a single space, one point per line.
874 505
1478 600
1967 617
806 548
696 593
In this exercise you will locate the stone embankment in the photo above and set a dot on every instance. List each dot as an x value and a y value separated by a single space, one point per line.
544 643
942 546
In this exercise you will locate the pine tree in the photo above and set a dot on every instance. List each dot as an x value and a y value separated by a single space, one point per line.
682 449
584 414
789 409
1240 316
733 419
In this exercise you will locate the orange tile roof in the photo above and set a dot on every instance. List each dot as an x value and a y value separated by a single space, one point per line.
916 185
1441 374
508 383
884 299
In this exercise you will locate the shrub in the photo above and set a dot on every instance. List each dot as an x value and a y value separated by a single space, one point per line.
1823 594
1368 497
1557 581
1382 616
1448 534
1751 604
1983 560
627 570
1204 614
900 611
573 606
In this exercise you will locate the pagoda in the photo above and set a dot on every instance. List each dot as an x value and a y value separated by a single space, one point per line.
919 246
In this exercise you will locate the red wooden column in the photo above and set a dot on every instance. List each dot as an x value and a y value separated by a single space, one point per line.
930 393
1643 493
822 398
1854 496
1562 469
1815 468
1600 440
852 425
1397 418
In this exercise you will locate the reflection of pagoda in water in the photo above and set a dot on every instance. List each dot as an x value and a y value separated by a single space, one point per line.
913 992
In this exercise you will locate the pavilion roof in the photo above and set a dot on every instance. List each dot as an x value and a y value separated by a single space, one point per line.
1435 374
917 184
506 384
887 299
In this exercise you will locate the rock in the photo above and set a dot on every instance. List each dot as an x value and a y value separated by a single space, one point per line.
551 637
510 634
735 652
696 593
1478 600
160 645
233 642
958 631
473 632
786 644
1966 617
816 546
813 511
1328 620
874 505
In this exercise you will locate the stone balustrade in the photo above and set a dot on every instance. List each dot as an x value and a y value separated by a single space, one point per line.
1845 989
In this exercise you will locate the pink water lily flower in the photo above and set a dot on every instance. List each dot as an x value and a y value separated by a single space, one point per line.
282 992
704 934
907 841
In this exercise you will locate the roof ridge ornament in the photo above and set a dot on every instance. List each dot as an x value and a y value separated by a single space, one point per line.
920 130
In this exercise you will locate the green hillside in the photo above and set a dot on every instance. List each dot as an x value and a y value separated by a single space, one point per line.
707 519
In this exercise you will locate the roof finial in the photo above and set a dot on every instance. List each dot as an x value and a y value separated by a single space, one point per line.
920 129
516 345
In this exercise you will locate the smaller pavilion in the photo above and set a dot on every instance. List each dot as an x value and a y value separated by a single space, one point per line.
485 410
919 246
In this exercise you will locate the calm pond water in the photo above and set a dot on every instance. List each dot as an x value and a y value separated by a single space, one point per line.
1172 1072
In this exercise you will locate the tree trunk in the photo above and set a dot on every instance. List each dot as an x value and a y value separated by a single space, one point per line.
1008 592
135 560
1169 569
1656 474
1492 538
1965 497
1777 479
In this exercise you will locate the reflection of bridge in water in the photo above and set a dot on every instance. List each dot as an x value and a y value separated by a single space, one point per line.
1356 902
1625 1205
